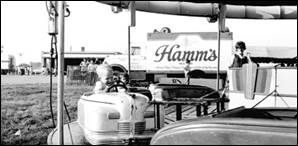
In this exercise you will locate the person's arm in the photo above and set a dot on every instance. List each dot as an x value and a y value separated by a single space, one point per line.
248 57
236 61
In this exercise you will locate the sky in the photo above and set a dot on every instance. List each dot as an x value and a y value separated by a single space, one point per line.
24 28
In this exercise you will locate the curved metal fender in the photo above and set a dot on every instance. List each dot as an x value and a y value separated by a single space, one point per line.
73 135
228 131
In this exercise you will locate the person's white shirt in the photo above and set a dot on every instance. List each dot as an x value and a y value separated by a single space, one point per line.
186 69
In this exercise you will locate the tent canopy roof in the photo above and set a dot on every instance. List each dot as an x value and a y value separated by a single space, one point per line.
235 9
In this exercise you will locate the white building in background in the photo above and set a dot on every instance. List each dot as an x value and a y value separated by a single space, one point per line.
4 60
20 59
7 62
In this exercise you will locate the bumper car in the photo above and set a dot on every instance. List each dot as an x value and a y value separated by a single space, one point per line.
109 118
239 126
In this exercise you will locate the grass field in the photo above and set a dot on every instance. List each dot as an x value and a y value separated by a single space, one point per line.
26 107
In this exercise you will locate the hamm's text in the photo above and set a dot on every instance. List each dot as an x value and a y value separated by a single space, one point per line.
169 53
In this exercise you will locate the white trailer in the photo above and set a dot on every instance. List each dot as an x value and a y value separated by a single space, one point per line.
165 55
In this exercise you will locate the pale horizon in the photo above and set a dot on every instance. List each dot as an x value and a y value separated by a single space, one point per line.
24 28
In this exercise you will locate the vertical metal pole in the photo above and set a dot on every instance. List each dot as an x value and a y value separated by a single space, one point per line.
218 54
199 110
157 116
132 23
221 27
129 51
275 86
178 112
60 101
205 108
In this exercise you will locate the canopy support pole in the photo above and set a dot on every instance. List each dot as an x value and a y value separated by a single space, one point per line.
128 51
221 28
132 23
60 5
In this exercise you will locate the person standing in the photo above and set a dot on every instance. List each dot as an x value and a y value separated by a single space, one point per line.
91 72
83 66
187 69
97 61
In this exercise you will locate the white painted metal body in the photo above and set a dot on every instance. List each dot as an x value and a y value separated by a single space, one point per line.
99 115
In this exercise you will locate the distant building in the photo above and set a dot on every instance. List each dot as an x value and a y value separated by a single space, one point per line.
36 67
74 58
8 62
